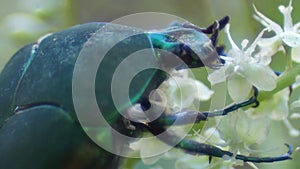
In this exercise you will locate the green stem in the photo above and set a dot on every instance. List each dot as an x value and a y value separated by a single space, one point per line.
284 80
289 62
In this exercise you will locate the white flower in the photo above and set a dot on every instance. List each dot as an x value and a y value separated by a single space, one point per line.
196 162
275 108
295 116
184 91
295 104
292 131
240 129
243 68
181 91
289 34
148 148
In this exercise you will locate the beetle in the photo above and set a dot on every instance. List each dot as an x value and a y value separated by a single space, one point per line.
39 126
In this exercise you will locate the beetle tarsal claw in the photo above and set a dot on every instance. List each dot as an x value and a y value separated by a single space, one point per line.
135 113
158 102
209 159
128 124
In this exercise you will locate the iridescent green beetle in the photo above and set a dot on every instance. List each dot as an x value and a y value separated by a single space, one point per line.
39 127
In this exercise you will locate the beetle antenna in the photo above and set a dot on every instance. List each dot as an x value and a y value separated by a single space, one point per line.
223 22
212 29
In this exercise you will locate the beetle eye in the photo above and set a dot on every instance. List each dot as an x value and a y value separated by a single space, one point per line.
171 39
183 52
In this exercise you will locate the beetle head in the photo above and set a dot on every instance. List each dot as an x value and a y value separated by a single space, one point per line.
191 46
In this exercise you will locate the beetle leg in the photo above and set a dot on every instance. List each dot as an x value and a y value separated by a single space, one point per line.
156 127
191 116
128 124
196 148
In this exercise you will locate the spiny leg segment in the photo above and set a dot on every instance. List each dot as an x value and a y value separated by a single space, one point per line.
192 116
196 148
192 147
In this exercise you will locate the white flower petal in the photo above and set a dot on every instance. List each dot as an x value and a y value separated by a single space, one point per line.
204 93
238 88
183 95
136 145
192 162
287 11
150 148
296 27
295 104
297 82
292 131
217 76
268 47
255 132
267 22
151 160
233 45
264 57
260 76
184 73
184 91
244 43
251 48
296 54
239 127
264 23
276 107
269 41
295 116
280 105
292 39
213 136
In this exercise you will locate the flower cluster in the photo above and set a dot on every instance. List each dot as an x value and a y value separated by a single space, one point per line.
288 35
246 66
250 66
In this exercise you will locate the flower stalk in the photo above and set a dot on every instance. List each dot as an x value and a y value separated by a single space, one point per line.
285 80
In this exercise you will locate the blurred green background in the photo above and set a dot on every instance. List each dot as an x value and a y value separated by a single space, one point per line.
24 21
